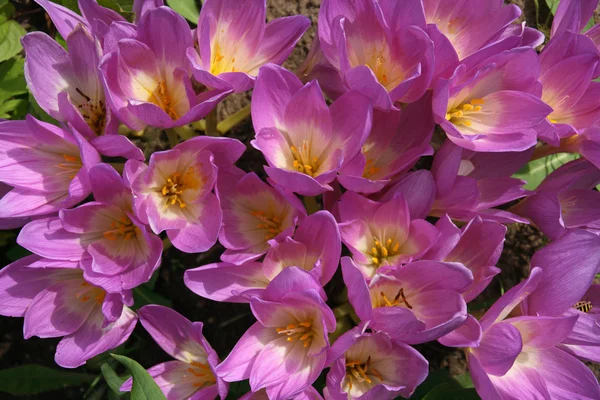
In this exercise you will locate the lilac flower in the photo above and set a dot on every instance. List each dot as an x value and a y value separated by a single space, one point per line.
396 141
382 235
147 78
315 247
477 246
372 366
116 250
191 375
234 42
565 200
492 106
47 166
68 87
568 64
286 349
572 15
305 142
379 48
254 213
56 301
174 193
559 295
416 303
518 357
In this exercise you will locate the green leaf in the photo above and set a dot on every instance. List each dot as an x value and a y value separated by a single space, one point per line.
434 379
537 170
34 379
70 4
6 11
552 5
142 296
123 7
12 78
187 8
446 391
144 387
10 39
113 380
464 380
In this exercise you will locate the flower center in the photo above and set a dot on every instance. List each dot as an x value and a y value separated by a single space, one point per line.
397 301
463 114
361 372
199 375
161 98
370 169
220 63
382 250
301 331
176 185
303 162
271 224
123 229
90 292
583 306
94 113
71 166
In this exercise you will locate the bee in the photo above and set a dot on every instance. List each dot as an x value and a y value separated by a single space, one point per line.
583 306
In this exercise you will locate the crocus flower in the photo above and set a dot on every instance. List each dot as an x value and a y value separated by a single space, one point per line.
116 250
372 366
415 303
396 141
47 166
147 78
68 87
572 295
565 200
234 42
477 246
305 142
174 193
286 350
518 357
310 393
379 48
568 64
492 106
572 15
191 375
254 213
95 18
382 235
472 30
56 301
315 247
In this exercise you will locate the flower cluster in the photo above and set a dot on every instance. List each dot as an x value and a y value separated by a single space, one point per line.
389 154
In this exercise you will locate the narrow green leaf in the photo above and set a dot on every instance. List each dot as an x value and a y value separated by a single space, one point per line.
142 296
144 387
10 39
12 78
34 379
70 4
464 380
113 380
536 171
12 108
552 5
187 8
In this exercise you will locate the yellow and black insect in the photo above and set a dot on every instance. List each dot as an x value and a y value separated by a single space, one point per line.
583 306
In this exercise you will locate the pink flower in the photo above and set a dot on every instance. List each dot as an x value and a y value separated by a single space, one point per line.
56 301
382 235
305 142
117 252
315 247
148 79
192 374
175 191
372 366
234 42
286 350
254 213
47 166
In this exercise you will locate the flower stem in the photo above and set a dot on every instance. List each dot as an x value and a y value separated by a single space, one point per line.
311 204
233 120
211 123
